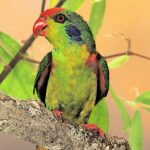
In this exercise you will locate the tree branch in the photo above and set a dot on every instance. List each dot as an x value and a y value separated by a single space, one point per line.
26 58
60 3
43 5
129 51
16 58
129 54
31 121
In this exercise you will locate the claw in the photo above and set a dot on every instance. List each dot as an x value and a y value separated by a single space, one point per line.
94 127
57 113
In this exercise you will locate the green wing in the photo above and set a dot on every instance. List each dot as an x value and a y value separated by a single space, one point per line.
42 77
102 78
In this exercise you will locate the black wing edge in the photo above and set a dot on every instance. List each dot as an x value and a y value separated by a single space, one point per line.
42 77
102 68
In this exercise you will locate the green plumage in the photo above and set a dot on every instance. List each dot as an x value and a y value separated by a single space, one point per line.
73 77
72 85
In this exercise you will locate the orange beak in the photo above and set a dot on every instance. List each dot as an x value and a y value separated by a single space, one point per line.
39 27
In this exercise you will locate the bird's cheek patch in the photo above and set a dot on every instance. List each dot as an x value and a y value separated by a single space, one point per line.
74 33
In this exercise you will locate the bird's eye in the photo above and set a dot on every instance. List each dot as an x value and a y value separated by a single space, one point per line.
60 18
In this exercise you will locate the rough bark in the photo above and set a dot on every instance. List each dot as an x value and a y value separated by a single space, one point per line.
31 121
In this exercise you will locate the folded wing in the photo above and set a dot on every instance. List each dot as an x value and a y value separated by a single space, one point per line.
42 77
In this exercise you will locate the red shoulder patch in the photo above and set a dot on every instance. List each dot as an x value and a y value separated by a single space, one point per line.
91 59
92 62
51 12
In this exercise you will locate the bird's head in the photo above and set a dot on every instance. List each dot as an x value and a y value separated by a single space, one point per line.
63 27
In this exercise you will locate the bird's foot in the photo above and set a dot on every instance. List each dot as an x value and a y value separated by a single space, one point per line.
57 113
94 127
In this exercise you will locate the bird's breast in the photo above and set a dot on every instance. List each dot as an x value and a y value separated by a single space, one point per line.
72 80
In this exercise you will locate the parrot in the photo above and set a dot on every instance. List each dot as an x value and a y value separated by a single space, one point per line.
73 77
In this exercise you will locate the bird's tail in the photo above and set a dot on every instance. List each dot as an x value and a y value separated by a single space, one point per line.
40 148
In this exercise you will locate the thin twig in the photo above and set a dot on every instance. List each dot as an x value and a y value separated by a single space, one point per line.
5 49
141 56
16 59
3 61
129 54
29 59
60 3
43 5
128 51
115 55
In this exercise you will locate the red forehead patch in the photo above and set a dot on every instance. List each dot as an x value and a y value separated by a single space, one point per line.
51 12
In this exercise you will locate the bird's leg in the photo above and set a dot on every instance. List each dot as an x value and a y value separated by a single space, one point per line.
92 127
57 113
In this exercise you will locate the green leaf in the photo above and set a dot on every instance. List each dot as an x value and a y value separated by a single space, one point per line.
100 116
96 15
53 3
136 132
69 4
19 82
118 62
147 109
72 4
124 114
143 98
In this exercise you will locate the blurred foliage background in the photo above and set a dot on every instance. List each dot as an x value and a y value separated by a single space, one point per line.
125 112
